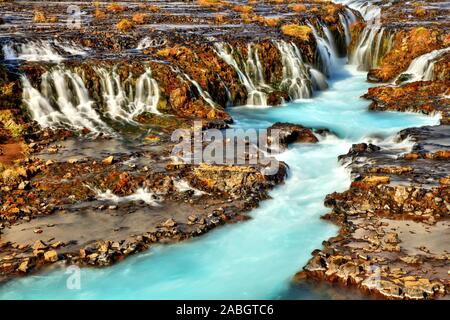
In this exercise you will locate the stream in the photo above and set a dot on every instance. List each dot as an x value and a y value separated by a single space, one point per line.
255 259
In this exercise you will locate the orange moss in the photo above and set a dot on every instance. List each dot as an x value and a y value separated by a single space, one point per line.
98 14
39 17
420 12
139 18
116 8
243 9
297 31
209 3
125 25
297 7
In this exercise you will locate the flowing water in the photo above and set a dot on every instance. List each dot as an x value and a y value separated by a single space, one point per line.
254 259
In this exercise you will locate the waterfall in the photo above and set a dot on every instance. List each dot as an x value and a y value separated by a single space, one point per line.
371 47
329 39
422 67
52 51
205 95
125 102
346 19
147 42
296 77
63 102
255 96
326 53
369 9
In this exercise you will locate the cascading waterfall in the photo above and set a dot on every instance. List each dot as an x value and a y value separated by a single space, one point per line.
296 75
147 42
373 43
204 94
52 51
422 68
329 39
346 19
326 54
256 97
368 9
62 102
122 106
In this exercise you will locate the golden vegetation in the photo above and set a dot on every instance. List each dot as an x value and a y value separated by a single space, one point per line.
297 31
140 18
98 14
116 8
297 7
40 17
209 3
243 9
125 25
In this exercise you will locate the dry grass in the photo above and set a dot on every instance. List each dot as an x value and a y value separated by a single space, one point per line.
115 8
297 31
125 25
140 18
210 3
420 12
98 14
272 22
243 9
40 17
297 7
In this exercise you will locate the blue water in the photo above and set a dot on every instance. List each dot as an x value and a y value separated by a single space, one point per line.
254 259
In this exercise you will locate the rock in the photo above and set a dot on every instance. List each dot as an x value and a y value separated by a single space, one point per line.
290 133
108 160
376 180
23 185
169 223
39 245
445 181
391 237
411 156
51 256
23 267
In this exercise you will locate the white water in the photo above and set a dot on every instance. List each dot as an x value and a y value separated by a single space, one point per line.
296 75
122 100
62 101
252 71
141 194
254 259
422 68
51 51
204 94
327 54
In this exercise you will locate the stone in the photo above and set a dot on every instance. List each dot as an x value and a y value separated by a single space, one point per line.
108 160
39 245
169 223
23 267
51 256
23 185
376 180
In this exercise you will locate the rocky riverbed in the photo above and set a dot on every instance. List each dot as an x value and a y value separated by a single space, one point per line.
394 237
89 101
88 174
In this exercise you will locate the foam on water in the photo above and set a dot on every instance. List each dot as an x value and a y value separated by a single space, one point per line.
254 259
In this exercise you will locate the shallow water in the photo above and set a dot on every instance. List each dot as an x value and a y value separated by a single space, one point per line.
254 259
